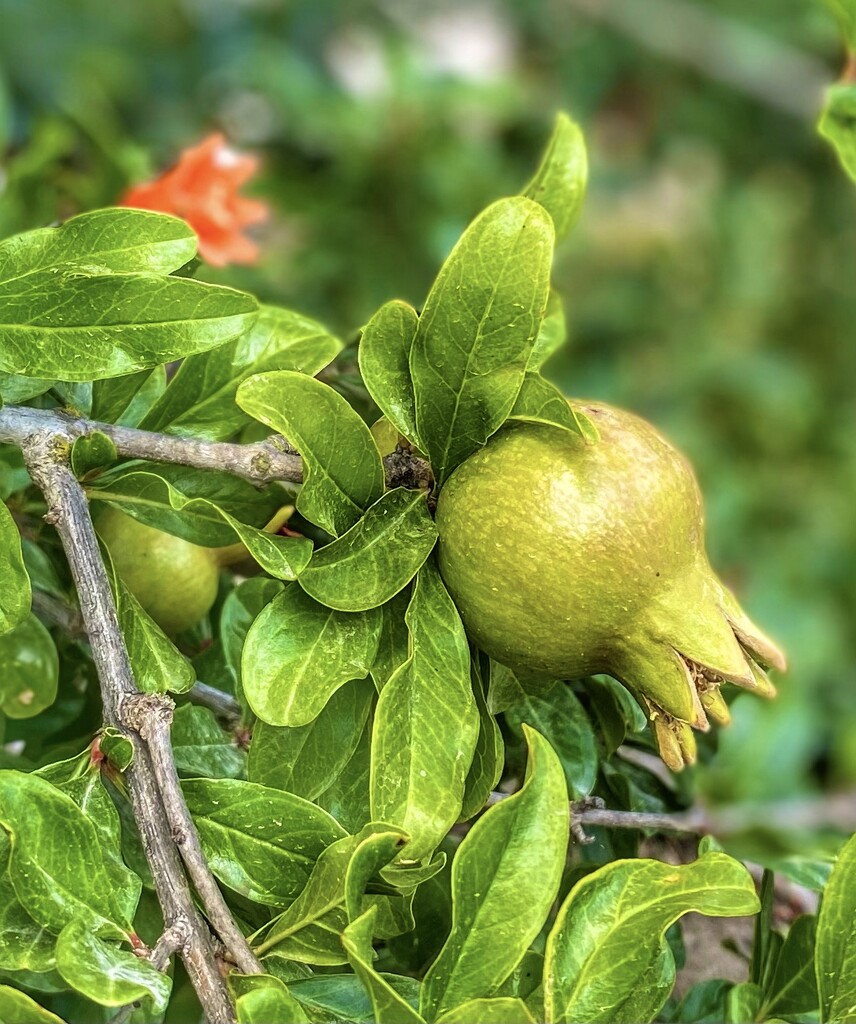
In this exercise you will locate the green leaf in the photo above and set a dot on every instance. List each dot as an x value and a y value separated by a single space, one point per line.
201 748
200 399
394 645
562 720
348 798
488 756
375 851
426 723
505 877
19 1008
742 1003
29 669
508 687
838 124
503 1010
298 653
307 760
628 905
117 748
15 594
705 1003
384 357
793 987
835 956
106 973
559 184
551 336
24 944
239 610
93 451
389 1007
477 330
77 325
539 401
376 558
845 12
261 842
263 999
342 997
342 468
58 867
157 664
15 389
113 397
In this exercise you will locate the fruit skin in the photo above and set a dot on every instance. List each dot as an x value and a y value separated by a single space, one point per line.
174 581
571 558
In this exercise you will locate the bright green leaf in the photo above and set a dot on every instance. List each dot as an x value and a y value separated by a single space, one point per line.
376 558
477 330
29 669
606 956
539 401
201 748
15 594
488 756
559 184
384 357
426 723
261 842
389 1007
845 12
505 877
298 653
502 1010
24 944
19 1008
92 451
835 957
742 1003
551 336
838 124
342 468
340 997
264 999
105 972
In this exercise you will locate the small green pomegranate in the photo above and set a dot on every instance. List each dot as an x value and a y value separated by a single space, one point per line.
175 581
571 559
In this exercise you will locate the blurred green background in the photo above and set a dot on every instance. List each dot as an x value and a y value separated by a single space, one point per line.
709 284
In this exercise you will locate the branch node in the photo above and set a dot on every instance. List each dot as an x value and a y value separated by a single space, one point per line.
146 712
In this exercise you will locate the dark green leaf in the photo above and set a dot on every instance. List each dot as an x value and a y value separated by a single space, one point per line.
348 798
835 956
58 867
111 398
15 594
505 877
508 687
385 364
703 1004
261 842
793 986
376 558
389 1007
341 997
15 389
200 399
477 330
239 610
559 184
117 748
307 760
426 723
539 401
298 653
93 451
19 1008
202 748
342 468
263 999
394 646
489 754
628 905
106 973
29 669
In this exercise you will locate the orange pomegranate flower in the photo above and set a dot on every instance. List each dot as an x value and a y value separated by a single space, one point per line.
202 188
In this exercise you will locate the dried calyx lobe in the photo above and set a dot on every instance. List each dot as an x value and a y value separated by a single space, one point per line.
573 559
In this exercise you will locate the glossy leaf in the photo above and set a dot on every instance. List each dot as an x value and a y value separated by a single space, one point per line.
261 842
157 664
426 723
552 334
477 330
200 399
488 756
348 798
92 451
606 956
342 468
105 972
29 669
15 592
503 1010
58 867
25 945
376 558
298 653
263 999
793 986
376 850
394 645
17 1007
112 398
561 719
539 401
16 389
307 760
201 748
505 877
835 956
389 1007
559 184
384 357
139 493
508 687
80 324
339 997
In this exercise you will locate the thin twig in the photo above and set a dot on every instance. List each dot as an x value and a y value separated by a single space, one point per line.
45 456
151 715
261 463
172 941
58 613
224 705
